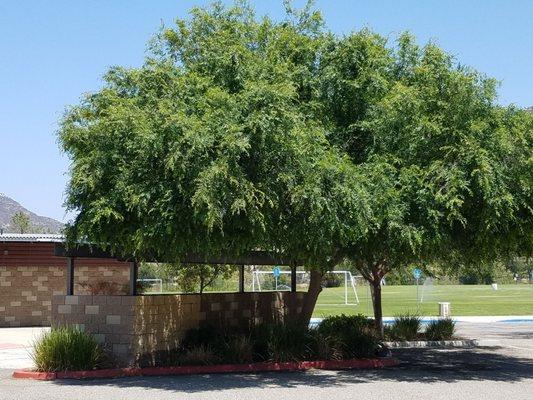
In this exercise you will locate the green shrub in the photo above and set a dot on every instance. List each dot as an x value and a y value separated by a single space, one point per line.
205 335
326 347
67 349
442 329
332 280
237 349
212 345
282 342
405 327
338 337
350 336
199 355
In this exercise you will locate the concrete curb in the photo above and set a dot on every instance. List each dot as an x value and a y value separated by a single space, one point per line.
483 319
210 369
467 343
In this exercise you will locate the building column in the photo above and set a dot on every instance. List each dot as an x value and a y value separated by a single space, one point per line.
241 278
293 277
70 276
134 271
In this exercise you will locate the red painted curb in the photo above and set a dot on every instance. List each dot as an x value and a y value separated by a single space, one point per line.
210 369
41 376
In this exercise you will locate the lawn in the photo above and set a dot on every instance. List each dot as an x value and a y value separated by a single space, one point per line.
464 299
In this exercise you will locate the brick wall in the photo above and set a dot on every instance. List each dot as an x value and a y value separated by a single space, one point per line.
134 327
26 291
110 279
26 294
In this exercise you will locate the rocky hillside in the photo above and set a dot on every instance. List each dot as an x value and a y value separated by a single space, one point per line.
8 208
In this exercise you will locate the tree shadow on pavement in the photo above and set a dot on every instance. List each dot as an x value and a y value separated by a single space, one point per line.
417 365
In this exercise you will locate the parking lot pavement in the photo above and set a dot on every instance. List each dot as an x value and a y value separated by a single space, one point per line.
15 346
504 372
518 335
495 373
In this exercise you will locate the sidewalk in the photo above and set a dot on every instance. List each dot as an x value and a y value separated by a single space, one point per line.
15 346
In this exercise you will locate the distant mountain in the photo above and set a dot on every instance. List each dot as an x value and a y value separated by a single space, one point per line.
530 109
8 208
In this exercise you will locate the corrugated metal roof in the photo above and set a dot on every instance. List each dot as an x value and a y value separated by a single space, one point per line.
31 237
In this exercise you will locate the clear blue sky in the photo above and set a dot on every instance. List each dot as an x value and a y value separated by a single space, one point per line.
53 51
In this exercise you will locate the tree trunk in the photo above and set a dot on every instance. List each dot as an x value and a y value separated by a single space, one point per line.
315 287
202 287
375 287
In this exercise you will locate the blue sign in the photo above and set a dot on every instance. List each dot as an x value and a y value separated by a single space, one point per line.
276 272
417 273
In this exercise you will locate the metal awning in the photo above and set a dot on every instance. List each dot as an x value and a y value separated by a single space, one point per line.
249 258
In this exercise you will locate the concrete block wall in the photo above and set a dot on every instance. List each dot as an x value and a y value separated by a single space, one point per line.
26 291
135 327
26 294
110 279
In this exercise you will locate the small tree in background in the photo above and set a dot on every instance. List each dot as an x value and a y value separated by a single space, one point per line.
21 222
194 278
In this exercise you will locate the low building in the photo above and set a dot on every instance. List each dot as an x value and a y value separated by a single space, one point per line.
42 282
31 274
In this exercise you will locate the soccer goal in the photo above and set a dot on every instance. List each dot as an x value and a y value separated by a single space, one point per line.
258 279
151 285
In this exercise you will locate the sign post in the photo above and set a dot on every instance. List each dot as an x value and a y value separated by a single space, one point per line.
417 273
276 272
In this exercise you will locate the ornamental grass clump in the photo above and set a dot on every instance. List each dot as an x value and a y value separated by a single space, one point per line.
349 337
67 349
280 342
405 327
199 355
442 329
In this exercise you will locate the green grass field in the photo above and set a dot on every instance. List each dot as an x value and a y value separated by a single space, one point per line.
465 300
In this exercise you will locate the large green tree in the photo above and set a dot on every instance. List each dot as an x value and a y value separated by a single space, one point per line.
240 133
449 171
214 146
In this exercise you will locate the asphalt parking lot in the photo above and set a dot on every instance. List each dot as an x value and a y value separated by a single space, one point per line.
497 372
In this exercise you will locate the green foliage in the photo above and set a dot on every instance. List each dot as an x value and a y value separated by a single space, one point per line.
211 146
333 280
66 349
337 338
225 346
282 342
241 133
195 278
441 329
187 278
238 349
199 355
351 336
203 335
154 271
21 222
326 346
405 327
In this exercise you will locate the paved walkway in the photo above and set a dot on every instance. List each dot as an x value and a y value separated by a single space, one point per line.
504 372
15 346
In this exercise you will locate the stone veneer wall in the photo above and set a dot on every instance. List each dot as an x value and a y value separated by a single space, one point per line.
26 291
139 327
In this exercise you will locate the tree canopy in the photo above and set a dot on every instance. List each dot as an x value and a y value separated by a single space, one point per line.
447 169
209 146
241 132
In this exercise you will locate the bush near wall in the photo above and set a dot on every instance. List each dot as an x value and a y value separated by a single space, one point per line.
341 337
67 349
409 327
